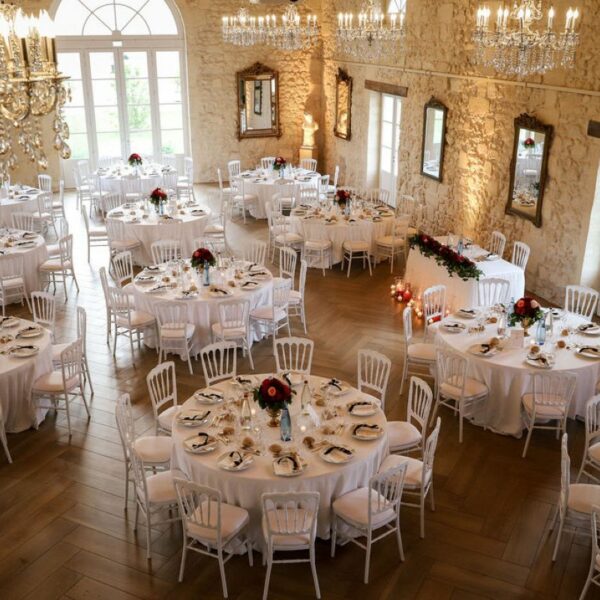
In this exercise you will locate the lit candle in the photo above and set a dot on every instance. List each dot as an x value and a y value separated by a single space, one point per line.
575 17
568 21
499 18
551 17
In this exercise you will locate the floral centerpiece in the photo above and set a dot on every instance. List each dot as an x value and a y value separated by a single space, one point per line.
135 160
279 163
203 257
529 143
342 197
158 196
526 312
272 395
455 263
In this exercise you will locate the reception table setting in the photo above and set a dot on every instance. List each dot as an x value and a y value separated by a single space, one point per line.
183 221
504 357
25 355
336 440
202 292
28 244
428 264
17 198
150 175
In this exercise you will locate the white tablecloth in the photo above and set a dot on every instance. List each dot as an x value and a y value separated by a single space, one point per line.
338 232
246 487
110 179
152 228
203 311
507 375
265 186
33 257
23 200
16 380
423 272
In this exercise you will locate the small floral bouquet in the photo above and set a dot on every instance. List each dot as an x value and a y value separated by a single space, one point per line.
158 196
343 196
529 143
279 163
272 395
526 312
202 257
134 160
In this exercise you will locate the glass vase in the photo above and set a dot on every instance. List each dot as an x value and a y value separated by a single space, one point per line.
206 274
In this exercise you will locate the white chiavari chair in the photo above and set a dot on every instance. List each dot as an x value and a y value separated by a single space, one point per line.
332 188
296 306
591 448
96 235
497 243
22 221
121 268
546 406
323 187
275 316
44 216
378 196
373 373
287 264
224 192
131 188
175 333
234 326
256 253
369 509
44 182
294 355
281 235
594 572
581 300
357 246
211 527
520 254
43 309
267 162
12 281
317 247
308 164
454 389
169 182
307 196
234 168
434 307
185 183
56 270
162 388
117 240
289 524
219 362
419 355
165 251
286 196
3 436
240 199
492 291
395 244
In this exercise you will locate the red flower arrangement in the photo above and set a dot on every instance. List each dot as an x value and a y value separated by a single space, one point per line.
134 160
202 257
279 163
273 394
444 255
529 143
343 196
158 196
526 312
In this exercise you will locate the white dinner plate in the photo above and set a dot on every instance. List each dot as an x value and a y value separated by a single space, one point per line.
589 329
248 286
336 387
235 461
32 331
589 351
188 295
193 418
483 350
362 408
336 454
466 313
289 465
208 396
8 322
367 432
145 279
539 362
453 327
492 257
203 443
24 351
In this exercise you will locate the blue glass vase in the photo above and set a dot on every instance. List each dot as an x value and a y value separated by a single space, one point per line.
540 332
285 425
206 274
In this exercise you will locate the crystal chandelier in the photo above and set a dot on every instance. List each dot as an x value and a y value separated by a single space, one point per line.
30 87
520 49
369 35
287 33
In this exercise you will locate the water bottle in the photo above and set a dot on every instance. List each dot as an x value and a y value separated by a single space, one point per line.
305 397
246 414
549 323
460 246
540 334
285 425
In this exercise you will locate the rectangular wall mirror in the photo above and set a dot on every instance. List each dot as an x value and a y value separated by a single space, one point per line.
528 168
258 102
434 135
343 105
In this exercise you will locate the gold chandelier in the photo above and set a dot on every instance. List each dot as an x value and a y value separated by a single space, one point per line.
31 87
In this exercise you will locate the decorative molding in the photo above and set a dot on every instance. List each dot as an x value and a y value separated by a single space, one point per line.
386 88
594 129
255 70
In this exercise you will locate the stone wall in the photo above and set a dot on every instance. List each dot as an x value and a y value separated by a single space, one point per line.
480 132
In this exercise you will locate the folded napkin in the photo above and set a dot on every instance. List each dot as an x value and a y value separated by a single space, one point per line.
591 349
243 380
333 448
204 439
288 463
210 395
467 311
454 325
193 416
249 284
587 326
367 430
218 290
22 347
336 383
236 458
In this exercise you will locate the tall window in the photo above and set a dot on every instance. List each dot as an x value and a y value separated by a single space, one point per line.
126 62
389 143
396 6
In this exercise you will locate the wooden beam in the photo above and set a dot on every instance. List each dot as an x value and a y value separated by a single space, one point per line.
594 129
386 88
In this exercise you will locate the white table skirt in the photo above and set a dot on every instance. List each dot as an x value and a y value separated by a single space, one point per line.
203 312
32 259
150 230
264 190
508 377
16 380
338 233
10 205
246 487
423 272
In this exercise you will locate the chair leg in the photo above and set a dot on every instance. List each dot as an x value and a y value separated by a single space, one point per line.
581 467
404 373
5 443
368 557
268 574
68 413
530 428
558 536
588 581
333 536
127 482
422 516
222 571
399 538
148 534
313 568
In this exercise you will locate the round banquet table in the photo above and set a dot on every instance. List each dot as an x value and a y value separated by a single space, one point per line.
203 310
263 186
21 199
373 224
142 224
244 488
508 375
150 177
17 376
34 253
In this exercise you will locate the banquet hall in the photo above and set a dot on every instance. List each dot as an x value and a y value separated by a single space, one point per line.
300 298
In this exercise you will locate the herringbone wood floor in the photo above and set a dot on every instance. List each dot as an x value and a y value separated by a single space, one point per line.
64 533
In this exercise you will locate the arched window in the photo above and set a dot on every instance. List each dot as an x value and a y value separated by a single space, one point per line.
396 7
126 63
